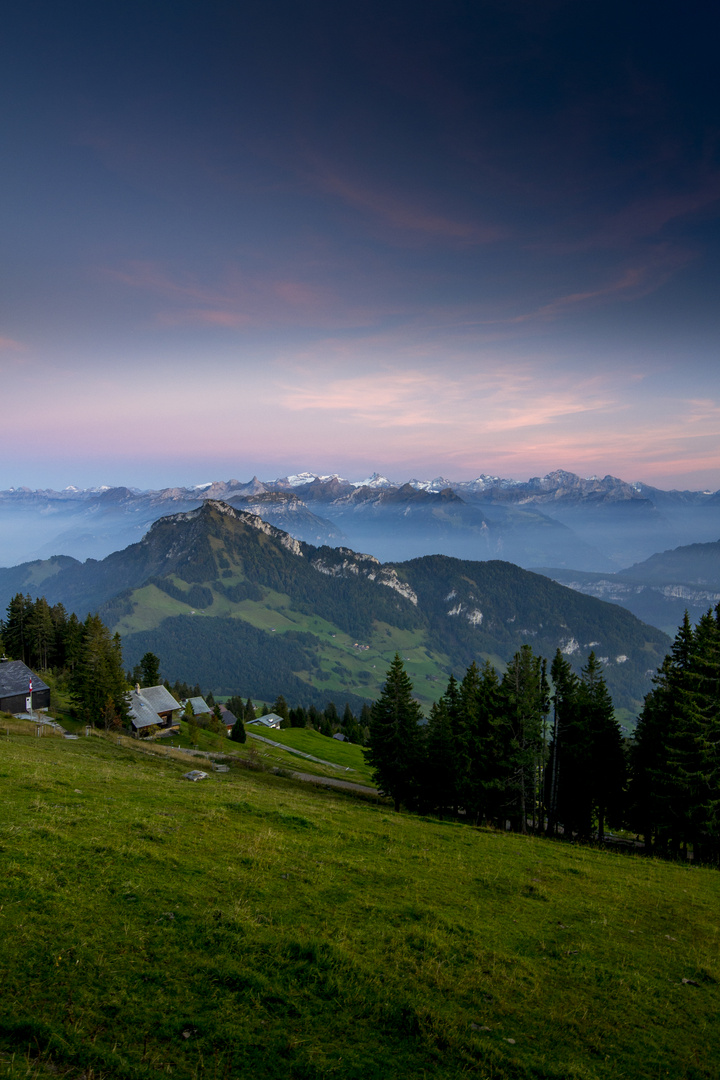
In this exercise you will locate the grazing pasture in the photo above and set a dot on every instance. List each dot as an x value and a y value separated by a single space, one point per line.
247 925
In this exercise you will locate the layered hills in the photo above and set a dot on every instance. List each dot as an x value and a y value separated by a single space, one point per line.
597 525
660 589
228 600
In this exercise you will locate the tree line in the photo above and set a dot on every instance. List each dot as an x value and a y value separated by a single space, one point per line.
84 656
545 754
87 660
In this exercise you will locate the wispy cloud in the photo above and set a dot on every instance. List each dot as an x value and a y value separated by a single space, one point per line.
241 299
11 345
639 279
648 216
483 403
402 213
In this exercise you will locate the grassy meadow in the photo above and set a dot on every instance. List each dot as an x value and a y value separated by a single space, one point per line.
343 666
348 756
248 925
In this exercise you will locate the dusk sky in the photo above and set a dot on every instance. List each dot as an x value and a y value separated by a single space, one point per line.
424 238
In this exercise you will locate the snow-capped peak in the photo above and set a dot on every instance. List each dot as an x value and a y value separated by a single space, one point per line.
307 478
438 484
374 481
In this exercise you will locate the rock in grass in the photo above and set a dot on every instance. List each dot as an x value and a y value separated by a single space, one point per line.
195 774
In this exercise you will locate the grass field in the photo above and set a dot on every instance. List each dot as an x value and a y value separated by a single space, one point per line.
309 741
249 926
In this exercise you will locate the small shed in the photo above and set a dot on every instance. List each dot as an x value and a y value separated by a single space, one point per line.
199 706
20 687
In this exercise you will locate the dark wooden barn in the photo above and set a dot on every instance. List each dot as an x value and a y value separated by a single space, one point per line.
15 681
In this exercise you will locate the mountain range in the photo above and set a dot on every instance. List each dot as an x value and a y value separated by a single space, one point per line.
232 602
560 520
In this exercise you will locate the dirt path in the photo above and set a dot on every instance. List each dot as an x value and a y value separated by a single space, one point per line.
299 753
331 781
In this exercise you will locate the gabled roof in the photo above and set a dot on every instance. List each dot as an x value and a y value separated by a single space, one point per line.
141 712
15 677
269 720
159 698
199 705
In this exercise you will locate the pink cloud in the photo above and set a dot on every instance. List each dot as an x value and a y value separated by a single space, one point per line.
631 283
204 317
400 212
11 345
241 300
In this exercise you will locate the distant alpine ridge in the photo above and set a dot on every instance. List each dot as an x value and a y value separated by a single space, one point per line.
232 602
563 521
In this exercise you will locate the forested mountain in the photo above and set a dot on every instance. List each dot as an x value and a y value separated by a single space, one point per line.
227 599
660 589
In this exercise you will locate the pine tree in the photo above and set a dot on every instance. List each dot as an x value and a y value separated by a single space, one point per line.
98 675
674 756
393 750
438 771
280 707
605 773
237 733
150 670
564 701
40 630
15 627
526 695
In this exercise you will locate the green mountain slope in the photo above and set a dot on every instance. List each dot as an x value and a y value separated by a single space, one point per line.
229 601
248 927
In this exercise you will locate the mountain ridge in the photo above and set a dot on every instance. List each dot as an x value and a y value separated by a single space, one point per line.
230 601
599 525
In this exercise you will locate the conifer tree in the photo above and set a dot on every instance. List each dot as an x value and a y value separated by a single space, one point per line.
98 675
526 694
438 772
605 771
150 670
564 702
237 733
15 627
394 747
675 750
40 630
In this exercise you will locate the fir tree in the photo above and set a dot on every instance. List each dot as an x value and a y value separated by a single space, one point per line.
605 768
438 772
525 690
393 749
150 670
98 676
237 733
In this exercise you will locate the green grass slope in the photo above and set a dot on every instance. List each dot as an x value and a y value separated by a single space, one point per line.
344 754
248 926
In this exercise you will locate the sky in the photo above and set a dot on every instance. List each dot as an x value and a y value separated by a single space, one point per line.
423 238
